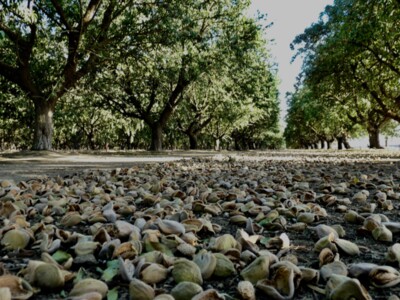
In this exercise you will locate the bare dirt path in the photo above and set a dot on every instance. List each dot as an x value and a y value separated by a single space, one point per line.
25 165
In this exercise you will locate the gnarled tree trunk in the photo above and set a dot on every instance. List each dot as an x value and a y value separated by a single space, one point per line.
346 143
339 142
193 141
156 137
342 141
43 135
373 135
329 143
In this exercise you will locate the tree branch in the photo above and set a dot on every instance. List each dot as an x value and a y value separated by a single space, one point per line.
11 73
358 110
153 95
386 94
90 13
24 46
60 12
173 100
119 107
351 118
385 111
380 59
16 38
101 38
204 124
50 17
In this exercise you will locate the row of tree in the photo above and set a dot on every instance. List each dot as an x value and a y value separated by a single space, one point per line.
350 77
135 74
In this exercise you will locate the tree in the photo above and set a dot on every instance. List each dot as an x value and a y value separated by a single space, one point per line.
15 118
197 111
151 84
353 50
312 120
80 125
144 59
47 47
243 95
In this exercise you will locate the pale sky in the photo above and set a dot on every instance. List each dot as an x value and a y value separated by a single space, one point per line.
290 18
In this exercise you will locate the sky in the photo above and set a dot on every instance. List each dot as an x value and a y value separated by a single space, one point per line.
290 18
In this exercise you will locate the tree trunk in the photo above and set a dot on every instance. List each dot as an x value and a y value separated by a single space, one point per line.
43 126
156 137
328 144
322 144
339 143
237 144
217 144
373 135
346 143
193 141
91 143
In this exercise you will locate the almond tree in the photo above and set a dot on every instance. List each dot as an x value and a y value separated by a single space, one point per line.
149 85
353 53
47 47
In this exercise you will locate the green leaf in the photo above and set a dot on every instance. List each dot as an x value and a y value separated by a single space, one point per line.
111 271
265 240
61 256
82 274
63 294
112 294
265 221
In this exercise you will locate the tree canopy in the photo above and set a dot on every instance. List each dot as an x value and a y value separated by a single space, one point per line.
351 61
80 64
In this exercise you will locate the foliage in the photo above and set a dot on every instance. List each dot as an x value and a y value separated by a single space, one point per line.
351 61
115 74
310 121
79 125
210 62
16 118
48 47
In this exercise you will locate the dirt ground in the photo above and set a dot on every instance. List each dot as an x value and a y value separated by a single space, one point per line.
25 165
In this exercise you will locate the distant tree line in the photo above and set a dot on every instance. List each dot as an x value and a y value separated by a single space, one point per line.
350 77
130 74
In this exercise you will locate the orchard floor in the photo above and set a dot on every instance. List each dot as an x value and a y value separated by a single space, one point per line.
24 165
287 195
